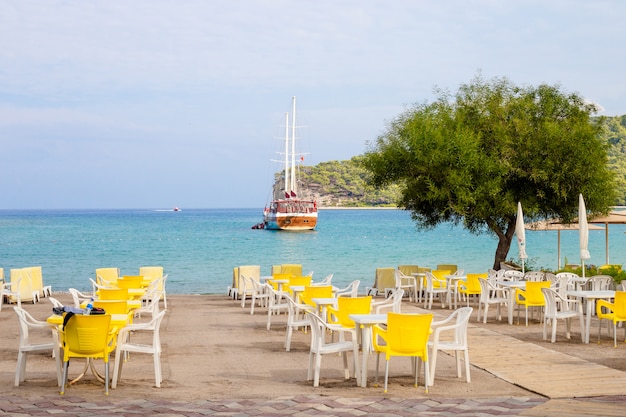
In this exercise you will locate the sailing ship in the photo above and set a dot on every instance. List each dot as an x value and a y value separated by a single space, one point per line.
287 211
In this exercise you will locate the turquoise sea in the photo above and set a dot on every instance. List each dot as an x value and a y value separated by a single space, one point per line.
198 248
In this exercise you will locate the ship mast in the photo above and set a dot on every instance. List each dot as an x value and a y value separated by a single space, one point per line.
293 147
287 178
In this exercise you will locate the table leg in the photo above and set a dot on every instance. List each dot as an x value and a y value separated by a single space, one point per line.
365 343
590 303
511 303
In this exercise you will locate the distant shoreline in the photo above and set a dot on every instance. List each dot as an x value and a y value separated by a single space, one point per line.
359 208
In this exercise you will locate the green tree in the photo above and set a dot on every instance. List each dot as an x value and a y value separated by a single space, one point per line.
468 158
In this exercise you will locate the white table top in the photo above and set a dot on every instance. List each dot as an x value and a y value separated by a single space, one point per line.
512 284
592 294
368 318
324 300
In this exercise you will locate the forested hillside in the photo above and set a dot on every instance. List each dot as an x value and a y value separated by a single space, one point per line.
342 183
616 136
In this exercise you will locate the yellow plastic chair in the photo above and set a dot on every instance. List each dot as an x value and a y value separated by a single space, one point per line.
440 274
406 335
615 312
339 318
154 274
471 286
113 294
107 276
450 267
112 306
531 296
297 281
134 282
88 337
291 269
312 291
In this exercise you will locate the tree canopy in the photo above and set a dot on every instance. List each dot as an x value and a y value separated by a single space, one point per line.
468 158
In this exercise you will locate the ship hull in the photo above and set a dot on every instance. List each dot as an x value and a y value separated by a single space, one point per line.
291 215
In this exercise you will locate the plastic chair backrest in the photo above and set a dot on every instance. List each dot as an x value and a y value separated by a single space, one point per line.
551 306
408 269
130 281
312 291
250 271
113 294
441 273
86 336
107 275
472 284
385 278
36 278
534 276
351 305
300 280
291 269
407 334
21 284
533 294
151 272
112 306
600 282
619 304
450 267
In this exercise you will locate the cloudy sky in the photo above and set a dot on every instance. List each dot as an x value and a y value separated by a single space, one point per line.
163 103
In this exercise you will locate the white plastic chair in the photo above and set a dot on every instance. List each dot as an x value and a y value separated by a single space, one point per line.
257 291
320 347
55 302
432 289
29 324
78 297
153 348
407 283
600 282
326 281
294 321
457 323
277 303
5 291
490 294
249 288
391 303
534 276
150 305
513 275
557 308
352 290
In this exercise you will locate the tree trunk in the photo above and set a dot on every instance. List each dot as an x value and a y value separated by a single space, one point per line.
504 244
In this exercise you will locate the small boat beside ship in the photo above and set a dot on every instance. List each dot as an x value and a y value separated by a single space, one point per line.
287 210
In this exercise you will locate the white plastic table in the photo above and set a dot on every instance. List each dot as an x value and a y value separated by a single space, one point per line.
511 286
365 323
590 297
452 283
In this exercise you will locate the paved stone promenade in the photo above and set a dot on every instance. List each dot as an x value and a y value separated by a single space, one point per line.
313 405
288 406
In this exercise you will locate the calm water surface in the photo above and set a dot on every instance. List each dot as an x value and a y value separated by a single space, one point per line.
199 248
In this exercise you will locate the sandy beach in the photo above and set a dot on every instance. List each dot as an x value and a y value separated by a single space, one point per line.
215 350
